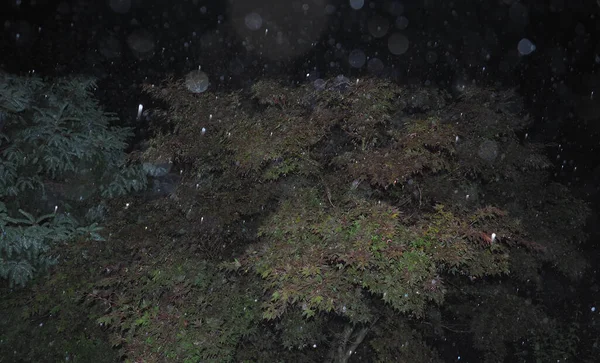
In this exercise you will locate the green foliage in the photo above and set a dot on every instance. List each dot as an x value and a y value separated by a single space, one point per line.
24 243
59 131
204 329
325 260
367 206
422 146
321 259
280 168
48 322
55 143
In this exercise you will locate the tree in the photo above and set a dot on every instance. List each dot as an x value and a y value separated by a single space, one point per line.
57 148
375 218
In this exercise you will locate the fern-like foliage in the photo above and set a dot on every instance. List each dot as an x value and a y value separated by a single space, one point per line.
24 243
54 137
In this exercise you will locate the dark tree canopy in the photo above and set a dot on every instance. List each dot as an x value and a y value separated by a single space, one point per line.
356 218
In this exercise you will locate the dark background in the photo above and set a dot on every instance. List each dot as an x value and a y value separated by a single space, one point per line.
453 44
471 41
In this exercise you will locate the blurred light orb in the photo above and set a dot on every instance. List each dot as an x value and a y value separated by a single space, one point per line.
431 57
525 47
402 22
253 21
375 66
196 81
378 26
141 43
357 4
357 58
398 44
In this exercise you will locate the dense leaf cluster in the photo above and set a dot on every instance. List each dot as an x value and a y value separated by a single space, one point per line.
57 148
374 197
319 222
